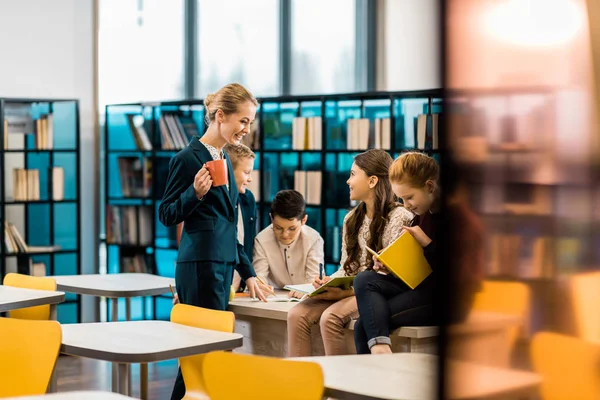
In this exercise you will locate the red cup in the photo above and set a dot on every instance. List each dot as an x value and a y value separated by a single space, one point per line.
218 172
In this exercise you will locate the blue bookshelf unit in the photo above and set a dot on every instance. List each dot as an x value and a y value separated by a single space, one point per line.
278 160
40 194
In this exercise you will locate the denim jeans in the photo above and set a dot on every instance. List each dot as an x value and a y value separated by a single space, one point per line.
386 303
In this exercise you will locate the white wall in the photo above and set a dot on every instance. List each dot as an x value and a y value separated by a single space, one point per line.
47 51
411 34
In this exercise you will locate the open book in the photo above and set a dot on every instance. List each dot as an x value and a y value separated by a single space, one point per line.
405 259
344 282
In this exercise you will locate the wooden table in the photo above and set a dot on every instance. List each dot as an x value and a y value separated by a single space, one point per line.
141 342
414 376
79 395
115 286
13 298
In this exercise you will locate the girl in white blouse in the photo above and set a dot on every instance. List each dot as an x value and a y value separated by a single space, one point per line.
375 222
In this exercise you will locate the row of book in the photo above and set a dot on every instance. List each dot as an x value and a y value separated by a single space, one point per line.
140 263
135 176
129 225
308 183
15 243
26 184
364 134
19 122
175 131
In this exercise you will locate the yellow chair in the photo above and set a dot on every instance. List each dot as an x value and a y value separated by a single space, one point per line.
204 318
261 378
28 353
30 282
506 298
585 294
569 366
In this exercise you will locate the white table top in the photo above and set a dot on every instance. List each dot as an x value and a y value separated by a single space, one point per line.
142 341
115 285
271 310
12 298
79 395
414 376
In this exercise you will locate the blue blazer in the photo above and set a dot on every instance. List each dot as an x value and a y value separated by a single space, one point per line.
248 206
210 225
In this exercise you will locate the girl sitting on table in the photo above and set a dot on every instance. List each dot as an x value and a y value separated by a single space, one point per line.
384 301
209 249
374 222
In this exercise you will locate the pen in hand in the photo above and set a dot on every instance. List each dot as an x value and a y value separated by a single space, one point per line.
321 271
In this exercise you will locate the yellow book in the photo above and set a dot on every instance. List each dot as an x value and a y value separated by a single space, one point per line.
405 259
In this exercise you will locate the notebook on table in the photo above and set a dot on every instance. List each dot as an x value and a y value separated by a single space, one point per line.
343 282
405 259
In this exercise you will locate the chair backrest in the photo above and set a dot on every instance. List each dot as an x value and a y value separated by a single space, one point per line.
259 377
28 353
507 298
569 366
585 295
30 282
198 317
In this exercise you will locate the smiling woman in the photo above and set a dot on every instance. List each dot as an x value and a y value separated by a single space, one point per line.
209 249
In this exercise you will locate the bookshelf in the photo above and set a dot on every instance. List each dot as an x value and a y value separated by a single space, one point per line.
40 198
292 135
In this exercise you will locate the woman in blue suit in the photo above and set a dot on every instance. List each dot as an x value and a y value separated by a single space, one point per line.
209 250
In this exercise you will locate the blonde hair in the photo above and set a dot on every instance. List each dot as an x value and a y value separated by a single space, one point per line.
238 151
415 169
228 98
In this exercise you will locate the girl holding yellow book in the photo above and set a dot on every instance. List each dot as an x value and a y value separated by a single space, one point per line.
384 301
375 222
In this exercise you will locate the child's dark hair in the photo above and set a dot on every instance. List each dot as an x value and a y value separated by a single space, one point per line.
288 204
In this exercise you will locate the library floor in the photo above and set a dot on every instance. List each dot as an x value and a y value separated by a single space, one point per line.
75 373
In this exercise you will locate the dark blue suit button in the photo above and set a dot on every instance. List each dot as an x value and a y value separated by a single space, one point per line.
230 219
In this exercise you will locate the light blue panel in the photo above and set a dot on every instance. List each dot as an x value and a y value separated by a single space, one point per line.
163 308
279 172
65 264
406 112
311 109
311 161
113 262
38 224
67 313
120 136
65 225
65 124
277 125
314 218
377 109
337 114
165 262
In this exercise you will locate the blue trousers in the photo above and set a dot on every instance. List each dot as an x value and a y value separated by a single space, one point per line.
204 284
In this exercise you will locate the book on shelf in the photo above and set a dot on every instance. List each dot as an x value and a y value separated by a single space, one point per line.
135 174
427 131
254 185
363 134
15 243
140 136
176 131
125 223
308 183
307 133
252 139
138 263
26 184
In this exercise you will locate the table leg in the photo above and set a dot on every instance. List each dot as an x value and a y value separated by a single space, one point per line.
53 315
123 377
144 381
115 317
128 318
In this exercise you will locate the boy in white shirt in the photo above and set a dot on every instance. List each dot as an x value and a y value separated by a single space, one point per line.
288 252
